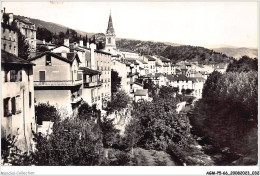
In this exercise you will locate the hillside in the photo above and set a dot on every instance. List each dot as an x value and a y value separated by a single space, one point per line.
53 27
173 51
238 52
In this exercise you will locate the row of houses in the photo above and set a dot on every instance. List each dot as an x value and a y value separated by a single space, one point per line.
64 77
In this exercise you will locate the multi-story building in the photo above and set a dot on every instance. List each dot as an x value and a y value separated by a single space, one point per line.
28 29
58 80
151 63
9 39
92 84
18 114
121 69
180 81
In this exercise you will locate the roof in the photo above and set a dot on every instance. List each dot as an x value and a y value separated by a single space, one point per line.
143 62
140 84
8 58
150 58
197 79
141 92
60 46
70 56
102 52
110 28
40 42
89 71
157 64
24 21
78 49
158 74
163 59
132 61
178 78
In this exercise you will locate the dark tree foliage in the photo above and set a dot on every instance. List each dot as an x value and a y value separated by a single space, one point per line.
44 34
211 84
244 64
166 91
119 100
109 132
115 81
228 113
85 111
42 49
46 112
152 88
72 143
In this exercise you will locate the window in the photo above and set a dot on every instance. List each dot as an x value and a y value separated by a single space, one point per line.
4 46
10 47
7 112
18 104
109 40
13 105
30 99
13 75
48 60
20 75
14 49
6 75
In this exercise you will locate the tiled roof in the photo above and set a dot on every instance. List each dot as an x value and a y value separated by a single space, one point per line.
157 64
150 58
163 59
89 71
8 58
178 78
141 92
70 56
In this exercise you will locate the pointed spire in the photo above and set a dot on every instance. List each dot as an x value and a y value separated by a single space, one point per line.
110 28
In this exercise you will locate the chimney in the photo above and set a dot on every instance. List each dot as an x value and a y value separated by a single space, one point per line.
87 44
43 41
64 54
92 57
67 42
81 43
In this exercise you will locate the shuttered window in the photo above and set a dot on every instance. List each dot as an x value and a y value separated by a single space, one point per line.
6 107
30 99
13 105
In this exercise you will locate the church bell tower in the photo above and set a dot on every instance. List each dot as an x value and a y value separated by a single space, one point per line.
110 36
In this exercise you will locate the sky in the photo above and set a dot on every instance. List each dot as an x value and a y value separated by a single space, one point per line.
190 23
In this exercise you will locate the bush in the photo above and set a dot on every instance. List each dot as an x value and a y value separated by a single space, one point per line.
46 112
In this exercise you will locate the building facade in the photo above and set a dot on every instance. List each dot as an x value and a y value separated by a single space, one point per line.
18 113
58 80
28 29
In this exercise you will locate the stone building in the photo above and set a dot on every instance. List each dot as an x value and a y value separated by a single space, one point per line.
18 114
9 39
28 29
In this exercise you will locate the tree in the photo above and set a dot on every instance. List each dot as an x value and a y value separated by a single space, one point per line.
115 81
119 100
244 64
46 112
44 34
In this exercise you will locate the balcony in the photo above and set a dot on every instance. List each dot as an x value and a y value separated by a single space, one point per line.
57 83
92 84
